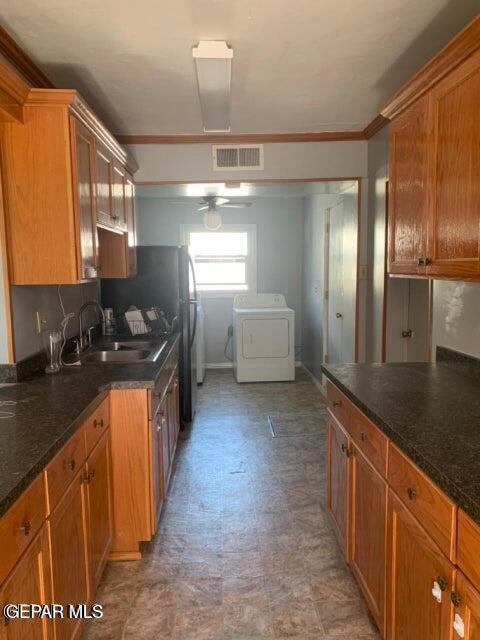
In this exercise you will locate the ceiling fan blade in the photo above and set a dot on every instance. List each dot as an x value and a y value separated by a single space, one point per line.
203 208
239 205
220 201
178 202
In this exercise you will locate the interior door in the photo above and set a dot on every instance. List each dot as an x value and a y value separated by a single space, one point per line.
341 287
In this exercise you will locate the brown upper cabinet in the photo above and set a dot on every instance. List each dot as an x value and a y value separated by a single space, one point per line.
63 174
434 167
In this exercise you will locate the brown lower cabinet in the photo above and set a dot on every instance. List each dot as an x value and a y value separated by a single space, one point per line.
367 532
466 613
415 567
415 556
68 534
28 582
338 481
145 427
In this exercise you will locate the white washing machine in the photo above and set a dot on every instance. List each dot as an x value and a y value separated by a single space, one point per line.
263 338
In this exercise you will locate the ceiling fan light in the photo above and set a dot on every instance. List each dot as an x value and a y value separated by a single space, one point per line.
212 220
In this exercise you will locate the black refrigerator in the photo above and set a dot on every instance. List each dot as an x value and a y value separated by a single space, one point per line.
165 279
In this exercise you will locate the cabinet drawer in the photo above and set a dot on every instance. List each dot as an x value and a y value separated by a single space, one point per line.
20 524
97 424
64 467
468 548
368 438
163 381
435 512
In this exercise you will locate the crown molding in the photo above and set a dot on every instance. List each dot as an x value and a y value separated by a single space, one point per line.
13 93
463 45
239 138
14 54
375 126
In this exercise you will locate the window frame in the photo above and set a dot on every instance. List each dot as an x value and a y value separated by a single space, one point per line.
250 262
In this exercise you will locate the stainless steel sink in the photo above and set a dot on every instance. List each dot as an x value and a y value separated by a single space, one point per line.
134 355
124 351
126 346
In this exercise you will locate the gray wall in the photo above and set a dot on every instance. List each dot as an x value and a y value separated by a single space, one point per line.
279 253
376 202
27 300
193 162
456 316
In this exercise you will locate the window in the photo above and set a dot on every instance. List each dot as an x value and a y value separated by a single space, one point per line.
224 260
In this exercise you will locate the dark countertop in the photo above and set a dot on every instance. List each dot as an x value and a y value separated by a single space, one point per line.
431 411
48 409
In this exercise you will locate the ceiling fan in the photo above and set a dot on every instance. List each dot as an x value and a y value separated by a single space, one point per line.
212 218
210 203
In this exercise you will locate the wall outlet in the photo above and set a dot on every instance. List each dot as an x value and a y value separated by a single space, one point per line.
41 322
230 330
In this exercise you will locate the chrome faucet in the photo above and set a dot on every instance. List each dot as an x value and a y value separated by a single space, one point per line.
90 303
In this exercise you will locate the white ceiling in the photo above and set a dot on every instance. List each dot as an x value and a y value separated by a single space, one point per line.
245 190
299 65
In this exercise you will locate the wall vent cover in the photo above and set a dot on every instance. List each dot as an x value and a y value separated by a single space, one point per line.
237 158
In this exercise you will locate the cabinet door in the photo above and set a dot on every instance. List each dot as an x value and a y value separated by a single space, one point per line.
176 404
103 185
83 149
130 220
368 532
408 193
454 234
166 459
118 196
415 567
172 430
466 613
100 524
29 582
68 542
156 470
338 472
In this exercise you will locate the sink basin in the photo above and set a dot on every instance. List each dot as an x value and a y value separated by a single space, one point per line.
124 352
126 346
134 355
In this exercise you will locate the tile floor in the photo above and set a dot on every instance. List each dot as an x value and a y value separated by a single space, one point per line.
244 549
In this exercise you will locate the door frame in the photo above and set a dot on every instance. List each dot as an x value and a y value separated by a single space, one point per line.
360 220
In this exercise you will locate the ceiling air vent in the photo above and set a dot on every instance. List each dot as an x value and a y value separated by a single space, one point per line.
238 158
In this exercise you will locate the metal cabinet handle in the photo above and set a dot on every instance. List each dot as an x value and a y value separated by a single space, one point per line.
412 494
71 464
428 261
346 450
421 262
337 403
26 527
442 582
98 423
363 437
339 315
456 598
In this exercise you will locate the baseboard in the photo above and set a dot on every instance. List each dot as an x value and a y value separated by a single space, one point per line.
219 365
229 365
315 381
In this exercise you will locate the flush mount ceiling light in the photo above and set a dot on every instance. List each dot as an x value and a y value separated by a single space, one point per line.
213 61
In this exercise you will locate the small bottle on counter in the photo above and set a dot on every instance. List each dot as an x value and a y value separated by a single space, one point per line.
110 324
